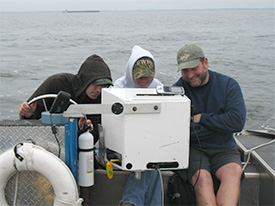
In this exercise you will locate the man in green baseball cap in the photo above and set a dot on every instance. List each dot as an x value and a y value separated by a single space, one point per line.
218 112
193 65
189 56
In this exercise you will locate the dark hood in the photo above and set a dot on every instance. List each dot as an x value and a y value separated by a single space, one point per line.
92 69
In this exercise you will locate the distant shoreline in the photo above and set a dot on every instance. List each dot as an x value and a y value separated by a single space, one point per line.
80 11
150 10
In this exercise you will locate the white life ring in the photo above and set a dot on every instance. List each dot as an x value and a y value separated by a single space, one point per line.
31 157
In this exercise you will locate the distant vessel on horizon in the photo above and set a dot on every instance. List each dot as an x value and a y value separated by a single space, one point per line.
81 11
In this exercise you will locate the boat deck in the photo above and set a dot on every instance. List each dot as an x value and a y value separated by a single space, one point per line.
257 188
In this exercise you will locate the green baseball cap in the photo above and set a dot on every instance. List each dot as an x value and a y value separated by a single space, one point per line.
103 81
144 67
189 56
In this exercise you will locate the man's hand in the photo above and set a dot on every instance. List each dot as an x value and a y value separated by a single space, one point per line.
196 118
27 110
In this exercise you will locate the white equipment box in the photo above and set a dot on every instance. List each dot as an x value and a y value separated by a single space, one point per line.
146 130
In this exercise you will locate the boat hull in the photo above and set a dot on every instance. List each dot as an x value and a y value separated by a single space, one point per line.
257 188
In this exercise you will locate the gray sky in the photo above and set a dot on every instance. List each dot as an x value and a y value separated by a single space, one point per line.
61 5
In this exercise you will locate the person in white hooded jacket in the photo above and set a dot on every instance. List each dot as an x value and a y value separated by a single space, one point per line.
140 73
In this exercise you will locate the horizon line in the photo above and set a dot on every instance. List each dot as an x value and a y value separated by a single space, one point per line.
104 10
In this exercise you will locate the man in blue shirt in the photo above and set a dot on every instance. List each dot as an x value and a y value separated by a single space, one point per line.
218 111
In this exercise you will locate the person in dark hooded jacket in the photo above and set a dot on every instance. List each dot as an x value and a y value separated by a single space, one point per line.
84 88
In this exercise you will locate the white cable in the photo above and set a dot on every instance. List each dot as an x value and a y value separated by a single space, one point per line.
162 189
254 148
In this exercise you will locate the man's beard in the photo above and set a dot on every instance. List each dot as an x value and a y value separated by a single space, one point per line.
202 78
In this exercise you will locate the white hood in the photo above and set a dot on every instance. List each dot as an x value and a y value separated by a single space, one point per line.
127 80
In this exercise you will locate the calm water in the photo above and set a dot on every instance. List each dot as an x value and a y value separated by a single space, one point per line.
239 43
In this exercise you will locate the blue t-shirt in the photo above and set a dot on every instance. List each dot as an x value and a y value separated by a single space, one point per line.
222 106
